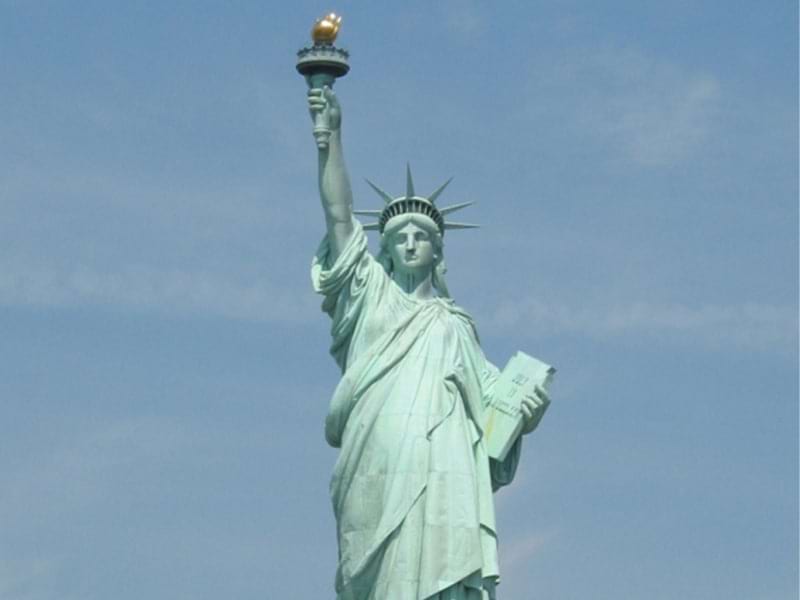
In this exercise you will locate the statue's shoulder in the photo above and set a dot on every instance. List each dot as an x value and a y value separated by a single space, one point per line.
461 317
454 308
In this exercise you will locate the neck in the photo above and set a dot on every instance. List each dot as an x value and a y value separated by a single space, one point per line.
419 285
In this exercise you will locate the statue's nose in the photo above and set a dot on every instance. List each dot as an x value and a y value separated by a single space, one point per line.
410 244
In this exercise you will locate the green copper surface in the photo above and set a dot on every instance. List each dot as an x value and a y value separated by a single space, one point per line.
413 483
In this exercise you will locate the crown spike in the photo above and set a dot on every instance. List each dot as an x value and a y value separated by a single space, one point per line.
413 204
460 226
386 197
439 190
409 182
453 208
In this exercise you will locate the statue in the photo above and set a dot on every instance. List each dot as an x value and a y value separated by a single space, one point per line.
412 487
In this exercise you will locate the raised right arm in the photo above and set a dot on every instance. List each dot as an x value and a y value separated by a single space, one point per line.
334 182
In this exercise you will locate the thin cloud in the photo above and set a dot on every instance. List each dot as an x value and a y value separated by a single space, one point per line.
462 17
78 471
516 554
200 293
752 326
77 475
73 474
26 578
641 109
175 292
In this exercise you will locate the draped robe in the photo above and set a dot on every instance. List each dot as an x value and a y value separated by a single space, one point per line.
412 486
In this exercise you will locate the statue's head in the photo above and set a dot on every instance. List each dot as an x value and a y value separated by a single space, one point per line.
411 230
412 242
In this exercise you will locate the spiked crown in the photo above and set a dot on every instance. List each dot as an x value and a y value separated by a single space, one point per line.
410 203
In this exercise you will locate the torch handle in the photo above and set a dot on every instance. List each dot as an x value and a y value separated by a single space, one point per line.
322 130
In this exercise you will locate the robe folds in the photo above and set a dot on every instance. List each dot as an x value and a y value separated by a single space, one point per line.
412 486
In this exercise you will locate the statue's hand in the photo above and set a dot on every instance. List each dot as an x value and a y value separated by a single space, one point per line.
533 408
323 101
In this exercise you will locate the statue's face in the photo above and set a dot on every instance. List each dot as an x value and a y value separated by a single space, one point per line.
412 249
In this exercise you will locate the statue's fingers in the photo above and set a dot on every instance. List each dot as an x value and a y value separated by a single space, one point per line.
542 393
330 96
533 401
315 92
526 411
530 404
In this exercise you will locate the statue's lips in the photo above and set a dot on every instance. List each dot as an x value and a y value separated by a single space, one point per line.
414 261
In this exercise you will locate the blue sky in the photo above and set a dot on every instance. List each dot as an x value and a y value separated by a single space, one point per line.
164 373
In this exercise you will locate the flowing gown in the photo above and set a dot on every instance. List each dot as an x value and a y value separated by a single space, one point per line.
412 486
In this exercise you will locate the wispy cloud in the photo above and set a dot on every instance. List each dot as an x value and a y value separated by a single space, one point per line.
753 326
24 579
82 472
462 16
203 293
517 553
639 108
72 473
147 289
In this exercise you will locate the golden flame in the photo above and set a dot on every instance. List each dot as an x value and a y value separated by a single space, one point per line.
325 29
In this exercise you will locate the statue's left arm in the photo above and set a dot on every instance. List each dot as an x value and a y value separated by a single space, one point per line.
533 408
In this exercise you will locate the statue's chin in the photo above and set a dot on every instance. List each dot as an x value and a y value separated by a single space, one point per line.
413 280
417 270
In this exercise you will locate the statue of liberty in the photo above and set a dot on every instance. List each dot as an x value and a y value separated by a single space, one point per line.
413 483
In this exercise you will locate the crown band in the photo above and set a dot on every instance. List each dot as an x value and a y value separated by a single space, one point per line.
413 204
416 204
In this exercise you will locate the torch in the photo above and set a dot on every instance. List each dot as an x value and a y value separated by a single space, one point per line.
321 64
